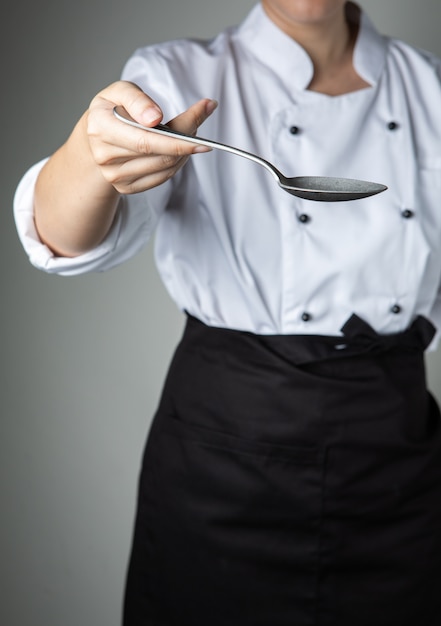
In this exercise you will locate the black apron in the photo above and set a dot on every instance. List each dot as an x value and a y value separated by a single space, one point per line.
291 481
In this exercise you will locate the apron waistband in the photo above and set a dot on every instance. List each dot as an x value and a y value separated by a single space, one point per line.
359 339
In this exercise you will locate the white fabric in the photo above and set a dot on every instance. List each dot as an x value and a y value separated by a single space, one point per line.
230 246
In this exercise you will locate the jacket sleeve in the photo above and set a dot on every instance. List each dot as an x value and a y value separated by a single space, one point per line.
135 221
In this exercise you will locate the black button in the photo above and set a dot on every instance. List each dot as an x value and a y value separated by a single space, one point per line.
395 309
294 130
304 218
407 213
392 126
306 316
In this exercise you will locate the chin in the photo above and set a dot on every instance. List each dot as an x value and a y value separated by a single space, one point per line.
304 11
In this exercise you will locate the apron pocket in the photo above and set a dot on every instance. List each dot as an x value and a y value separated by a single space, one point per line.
236 526
383 533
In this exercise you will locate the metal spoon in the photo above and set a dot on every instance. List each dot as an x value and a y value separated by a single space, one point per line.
320 188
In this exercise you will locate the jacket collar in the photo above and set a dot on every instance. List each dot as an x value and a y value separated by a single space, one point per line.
290 61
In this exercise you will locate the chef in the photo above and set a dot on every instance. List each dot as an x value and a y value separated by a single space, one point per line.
292 473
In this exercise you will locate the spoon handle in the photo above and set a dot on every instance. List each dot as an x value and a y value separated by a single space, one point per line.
162 129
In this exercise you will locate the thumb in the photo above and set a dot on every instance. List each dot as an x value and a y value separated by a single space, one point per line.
190 120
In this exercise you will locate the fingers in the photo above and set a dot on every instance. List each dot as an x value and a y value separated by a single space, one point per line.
143 142
143 173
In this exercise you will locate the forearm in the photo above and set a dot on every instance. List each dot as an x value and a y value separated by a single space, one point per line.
74 205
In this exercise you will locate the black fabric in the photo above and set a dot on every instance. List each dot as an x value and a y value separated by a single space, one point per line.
291 481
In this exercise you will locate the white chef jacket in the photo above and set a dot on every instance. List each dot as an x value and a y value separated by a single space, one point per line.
235 250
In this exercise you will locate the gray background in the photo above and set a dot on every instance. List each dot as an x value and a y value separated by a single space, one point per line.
83 359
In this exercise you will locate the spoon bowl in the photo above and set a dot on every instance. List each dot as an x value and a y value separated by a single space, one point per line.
318 188
330 189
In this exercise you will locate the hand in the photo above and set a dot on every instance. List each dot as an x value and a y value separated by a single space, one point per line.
133 160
